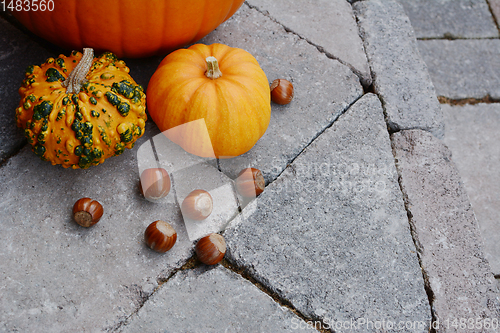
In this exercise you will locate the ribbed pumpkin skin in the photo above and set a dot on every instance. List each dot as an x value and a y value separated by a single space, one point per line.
128 28
80 130
236 107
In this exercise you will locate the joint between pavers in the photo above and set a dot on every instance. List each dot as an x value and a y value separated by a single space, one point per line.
497 23
414 236
468 101
453 37
190 263
289 162
416 241
418 245
245 274
318 47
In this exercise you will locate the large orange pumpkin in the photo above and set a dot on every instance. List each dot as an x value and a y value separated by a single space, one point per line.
219 95
128 28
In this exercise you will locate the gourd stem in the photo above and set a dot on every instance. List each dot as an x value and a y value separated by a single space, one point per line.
213 72
77 77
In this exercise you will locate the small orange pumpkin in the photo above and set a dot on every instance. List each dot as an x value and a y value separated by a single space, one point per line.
223 86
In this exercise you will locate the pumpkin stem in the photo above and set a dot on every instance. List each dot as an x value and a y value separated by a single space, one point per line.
213 72
77 76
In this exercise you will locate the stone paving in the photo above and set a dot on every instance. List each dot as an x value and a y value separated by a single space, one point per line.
472 135
462 53
364 225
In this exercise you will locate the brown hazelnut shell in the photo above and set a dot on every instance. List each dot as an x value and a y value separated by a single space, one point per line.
281 91
155 183
160 236
87 212
197 205
211 249
250 183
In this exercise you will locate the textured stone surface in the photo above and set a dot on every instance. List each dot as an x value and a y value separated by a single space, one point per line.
495 9
60 276
323 89
472 136
463 68
212 300
336 218
450 18
333 28
399 73
17 51
445 229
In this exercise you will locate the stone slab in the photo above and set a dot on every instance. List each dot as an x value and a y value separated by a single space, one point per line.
472 136
328 24
62 277
323 89
331 234
212 300
450 18
399 73
445 230
463 68
17 52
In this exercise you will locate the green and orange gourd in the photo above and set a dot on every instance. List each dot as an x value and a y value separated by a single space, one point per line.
77 111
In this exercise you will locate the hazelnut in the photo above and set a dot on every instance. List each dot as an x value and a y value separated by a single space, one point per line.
155 183
160 236
211 249
250 182
87 212
281 91
197 205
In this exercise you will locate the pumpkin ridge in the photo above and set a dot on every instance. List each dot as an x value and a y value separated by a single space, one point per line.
202 22
247 95
173 90
252 99
237 58
77 25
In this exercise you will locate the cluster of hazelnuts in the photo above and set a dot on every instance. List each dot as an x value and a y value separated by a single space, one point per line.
155 184
160 235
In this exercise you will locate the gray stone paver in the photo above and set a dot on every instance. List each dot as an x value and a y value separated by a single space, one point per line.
331 234
472 135
399 74
333 28
450 18
212 300
463 68
59 276
323 89
445 231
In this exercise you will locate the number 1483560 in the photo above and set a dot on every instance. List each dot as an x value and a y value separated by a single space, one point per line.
27 5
